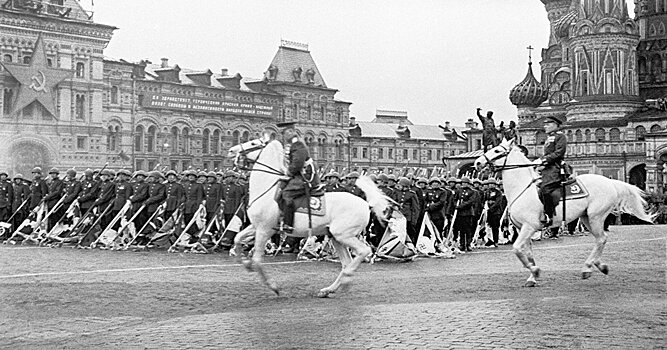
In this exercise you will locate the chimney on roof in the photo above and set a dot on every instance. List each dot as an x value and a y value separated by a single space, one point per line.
165 62
224 72
471 124
447 125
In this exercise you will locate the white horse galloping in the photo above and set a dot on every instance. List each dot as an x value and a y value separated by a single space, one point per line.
525 209
346 214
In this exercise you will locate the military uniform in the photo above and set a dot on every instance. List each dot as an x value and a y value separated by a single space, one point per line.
156 196
408 205
464 225
554 153
90 190
107 190
194 196
72 190
175 197
496 203
56 189
213 193
6 199
437 201
303 177
21 194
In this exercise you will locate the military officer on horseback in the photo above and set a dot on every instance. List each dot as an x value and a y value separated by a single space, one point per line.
301 176
550 165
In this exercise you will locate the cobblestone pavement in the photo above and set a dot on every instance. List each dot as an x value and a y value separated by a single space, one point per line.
65 298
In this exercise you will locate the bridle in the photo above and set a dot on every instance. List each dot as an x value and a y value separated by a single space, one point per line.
506 151
244 163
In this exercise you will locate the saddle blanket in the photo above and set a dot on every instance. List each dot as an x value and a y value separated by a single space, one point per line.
574 189
317 205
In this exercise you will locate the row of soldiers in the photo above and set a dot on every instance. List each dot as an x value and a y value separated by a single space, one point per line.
462 199
106 192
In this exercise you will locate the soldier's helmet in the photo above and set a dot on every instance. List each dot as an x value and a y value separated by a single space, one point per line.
353 175
140 173
88 172
422 180
106 172
36 170
4 173
434 179
476 181
172 172
404 181
374 177
382 177
155 174
451 179
334 174
465 181
124 172
54 171
202 174
71 172
391 177
230 173
212 174
492 181
18 176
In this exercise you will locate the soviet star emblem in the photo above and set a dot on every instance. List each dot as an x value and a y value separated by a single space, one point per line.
38 80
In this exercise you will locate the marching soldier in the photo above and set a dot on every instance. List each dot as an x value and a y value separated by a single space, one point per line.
420 190
550 167
38 188
106 192
156 196
382 184
391 182
408 204
139 196
90 190
194 196
465 218
496 202
21 194
72 190
123 194
213 191
352 185
6 197
437 202
232 198
56 188
333 183
175 194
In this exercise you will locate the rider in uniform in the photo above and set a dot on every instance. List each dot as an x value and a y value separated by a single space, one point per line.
301 173
550 167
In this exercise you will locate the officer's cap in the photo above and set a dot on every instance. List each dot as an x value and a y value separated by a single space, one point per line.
554 119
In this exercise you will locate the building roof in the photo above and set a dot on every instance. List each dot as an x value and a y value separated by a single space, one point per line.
419 132
183 75
290 58
649 114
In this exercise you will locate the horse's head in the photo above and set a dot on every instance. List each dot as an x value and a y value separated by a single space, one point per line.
497 156
248 151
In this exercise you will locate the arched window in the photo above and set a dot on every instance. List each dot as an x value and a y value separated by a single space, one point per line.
174 139
579 136
656 128
570 136
640 131
26 59
138 138
185 143
321 148
80 107
80 67
150 139
615 134
112 138
338 144
246 137
599 134
205 142
587 135
114 95
215 142
8 98
540 137
236 135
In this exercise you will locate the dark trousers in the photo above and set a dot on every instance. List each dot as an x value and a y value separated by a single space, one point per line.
494 222
550 194
5 213
465 227
412 232
439 223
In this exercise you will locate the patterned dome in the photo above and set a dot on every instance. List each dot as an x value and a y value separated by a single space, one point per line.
529 92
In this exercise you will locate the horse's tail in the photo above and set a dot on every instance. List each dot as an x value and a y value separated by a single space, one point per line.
376 199
631 201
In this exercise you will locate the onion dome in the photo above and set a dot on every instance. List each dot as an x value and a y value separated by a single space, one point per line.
529 92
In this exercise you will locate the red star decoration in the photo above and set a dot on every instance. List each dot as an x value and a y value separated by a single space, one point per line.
38 80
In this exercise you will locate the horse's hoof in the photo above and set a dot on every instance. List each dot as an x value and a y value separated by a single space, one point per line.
530 284
535 271
586 275
274 288
323 293
248 265
604 268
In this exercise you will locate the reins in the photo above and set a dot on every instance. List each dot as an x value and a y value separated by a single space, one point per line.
272 170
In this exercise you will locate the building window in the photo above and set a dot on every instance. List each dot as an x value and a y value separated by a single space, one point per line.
656 128
429 154
615 134
355 152
570 136
381 153
151 165
205 142
405 154
80 69
185 142
640 131
339 149
139 164
390 153
114 95
541 137
174 140
81 143
49 62
599 134
587 133
26 59
7 58
579 136
438 154
150 139
139 139
245 137
415 154
8 98
112 138
215 142
321 148
236 137
364 153
80 107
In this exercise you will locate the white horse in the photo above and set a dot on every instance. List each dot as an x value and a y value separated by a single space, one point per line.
525 209
346 214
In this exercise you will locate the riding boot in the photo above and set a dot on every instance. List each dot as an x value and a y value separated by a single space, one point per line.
288 219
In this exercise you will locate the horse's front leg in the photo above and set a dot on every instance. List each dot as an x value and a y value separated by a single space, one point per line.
261 237
520 248
596 227
345 260
237 250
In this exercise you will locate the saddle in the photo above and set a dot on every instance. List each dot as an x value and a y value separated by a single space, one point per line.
315 201
574 189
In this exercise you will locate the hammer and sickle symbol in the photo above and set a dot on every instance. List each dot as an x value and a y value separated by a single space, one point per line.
38 85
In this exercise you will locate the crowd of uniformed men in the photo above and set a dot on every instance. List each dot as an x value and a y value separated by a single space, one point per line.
225 193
